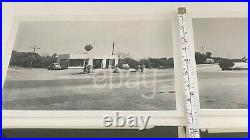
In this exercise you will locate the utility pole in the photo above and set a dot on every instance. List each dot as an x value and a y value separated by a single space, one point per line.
228 56
33 55
113 48
203 49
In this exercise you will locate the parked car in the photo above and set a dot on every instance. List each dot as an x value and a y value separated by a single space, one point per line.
125 66
54 66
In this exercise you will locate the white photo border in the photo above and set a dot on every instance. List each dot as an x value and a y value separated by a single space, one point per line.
213 119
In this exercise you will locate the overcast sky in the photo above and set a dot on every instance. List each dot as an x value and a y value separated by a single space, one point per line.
141 39
222 36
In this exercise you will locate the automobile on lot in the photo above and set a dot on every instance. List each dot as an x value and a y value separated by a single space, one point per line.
54 66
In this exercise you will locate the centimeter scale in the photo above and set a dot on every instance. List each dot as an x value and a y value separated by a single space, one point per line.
191 106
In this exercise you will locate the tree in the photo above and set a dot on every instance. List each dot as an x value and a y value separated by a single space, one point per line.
130 61
244 59
226 64
200 58
122 55
208 54
157 62
54 55
24 59
170 63
145 62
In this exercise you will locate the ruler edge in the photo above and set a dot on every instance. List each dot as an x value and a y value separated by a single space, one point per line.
192 64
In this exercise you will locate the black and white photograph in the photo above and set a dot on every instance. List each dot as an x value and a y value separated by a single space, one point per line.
221 46
124 69
91 65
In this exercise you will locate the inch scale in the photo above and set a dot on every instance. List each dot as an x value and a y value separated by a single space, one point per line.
191 106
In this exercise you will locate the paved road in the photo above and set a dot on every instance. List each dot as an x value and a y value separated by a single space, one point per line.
223 90
20 84
218 90
125 93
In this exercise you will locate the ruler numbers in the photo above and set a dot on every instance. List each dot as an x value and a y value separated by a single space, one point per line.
189 82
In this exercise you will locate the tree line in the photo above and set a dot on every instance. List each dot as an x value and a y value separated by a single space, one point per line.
160 63
24 59
224 63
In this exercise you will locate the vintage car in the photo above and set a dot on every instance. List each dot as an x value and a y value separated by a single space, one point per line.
54 66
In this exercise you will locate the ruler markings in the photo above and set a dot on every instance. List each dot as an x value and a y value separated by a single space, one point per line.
189 83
